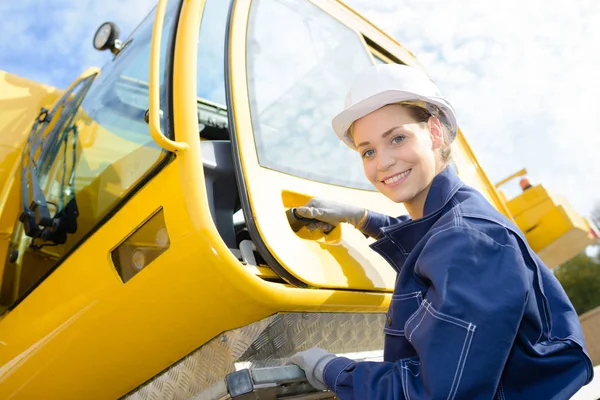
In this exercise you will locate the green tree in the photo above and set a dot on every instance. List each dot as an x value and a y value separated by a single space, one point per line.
580 277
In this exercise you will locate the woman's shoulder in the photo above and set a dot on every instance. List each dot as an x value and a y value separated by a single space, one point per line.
474 206
471 214
477 245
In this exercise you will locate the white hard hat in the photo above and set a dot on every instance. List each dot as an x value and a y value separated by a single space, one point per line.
384 84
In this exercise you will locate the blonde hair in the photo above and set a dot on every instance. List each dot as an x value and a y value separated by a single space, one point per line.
421 114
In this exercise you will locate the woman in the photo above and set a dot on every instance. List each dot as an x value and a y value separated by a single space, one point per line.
475 313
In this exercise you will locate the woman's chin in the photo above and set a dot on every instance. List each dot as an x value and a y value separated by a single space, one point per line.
397 196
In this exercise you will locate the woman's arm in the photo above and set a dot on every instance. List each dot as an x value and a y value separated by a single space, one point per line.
374 221
333 213
463 331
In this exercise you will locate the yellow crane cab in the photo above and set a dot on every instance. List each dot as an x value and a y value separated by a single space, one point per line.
143 223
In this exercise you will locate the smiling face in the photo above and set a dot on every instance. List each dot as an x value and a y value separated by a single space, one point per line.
400 155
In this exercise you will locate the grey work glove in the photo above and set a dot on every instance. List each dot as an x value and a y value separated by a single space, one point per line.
313 362
331 213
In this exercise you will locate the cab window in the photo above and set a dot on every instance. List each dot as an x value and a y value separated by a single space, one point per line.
100 154
296 87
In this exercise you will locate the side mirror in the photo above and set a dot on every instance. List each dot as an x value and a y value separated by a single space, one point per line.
107 37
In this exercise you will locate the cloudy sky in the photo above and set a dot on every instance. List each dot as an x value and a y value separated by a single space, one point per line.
523 76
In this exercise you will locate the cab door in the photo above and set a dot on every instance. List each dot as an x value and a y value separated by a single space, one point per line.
288 68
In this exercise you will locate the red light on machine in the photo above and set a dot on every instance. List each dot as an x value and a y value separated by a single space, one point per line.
525 184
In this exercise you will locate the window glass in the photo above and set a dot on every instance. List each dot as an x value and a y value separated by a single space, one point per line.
96 150
58 141
114 149
300 63
211 45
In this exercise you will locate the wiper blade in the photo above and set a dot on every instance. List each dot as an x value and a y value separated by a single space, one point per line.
65 219
35 213
36 218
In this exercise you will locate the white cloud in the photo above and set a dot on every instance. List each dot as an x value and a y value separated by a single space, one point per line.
523 77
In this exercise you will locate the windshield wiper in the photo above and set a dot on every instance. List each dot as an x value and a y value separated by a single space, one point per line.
35 213
65 219
36 218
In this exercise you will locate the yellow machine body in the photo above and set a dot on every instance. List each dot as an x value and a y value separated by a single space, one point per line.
160 165
552 227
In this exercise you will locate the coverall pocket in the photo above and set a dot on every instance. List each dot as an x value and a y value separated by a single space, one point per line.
442 343
402 309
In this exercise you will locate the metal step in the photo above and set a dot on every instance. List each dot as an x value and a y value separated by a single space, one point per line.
287 382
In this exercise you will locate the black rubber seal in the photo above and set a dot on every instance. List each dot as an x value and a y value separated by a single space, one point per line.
239 171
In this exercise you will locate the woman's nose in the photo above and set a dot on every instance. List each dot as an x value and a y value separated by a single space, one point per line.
385 161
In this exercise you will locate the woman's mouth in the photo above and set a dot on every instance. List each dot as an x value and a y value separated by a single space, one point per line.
396 179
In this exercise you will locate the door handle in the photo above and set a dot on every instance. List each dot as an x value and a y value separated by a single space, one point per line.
296 221
292 200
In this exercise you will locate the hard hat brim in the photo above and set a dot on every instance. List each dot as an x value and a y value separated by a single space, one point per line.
343 121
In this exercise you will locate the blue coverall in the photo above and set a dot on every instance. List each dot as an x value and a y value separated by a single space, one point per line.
475 313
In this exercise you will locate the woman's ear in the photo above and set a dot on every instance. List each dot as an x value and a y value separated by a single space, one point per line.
436 132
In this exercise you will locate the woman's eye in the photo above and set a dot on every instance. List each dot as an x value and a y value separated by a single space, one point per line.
398 139
368 153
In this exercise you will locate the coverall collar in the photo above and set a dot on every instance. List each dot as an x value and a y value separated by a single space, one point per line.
407 234
443 188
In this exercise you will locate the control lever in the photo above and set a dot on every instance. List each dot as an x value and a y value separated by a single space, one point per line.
285 382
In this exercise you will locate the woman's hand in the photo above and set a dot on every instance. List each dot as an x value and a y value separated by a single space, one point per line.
313 362
331 214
